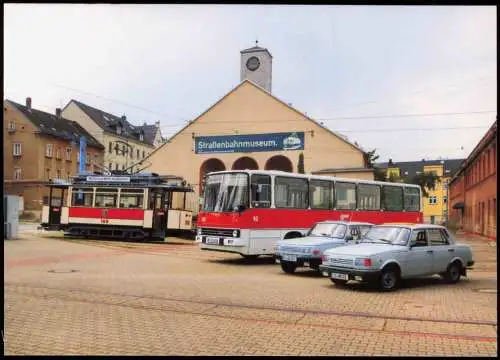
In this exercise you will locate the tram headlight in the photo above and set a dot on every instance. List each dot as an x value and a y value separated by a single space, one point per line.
236 233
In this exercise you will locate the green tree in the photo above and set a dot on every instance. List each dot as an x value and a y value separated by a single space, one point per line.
427 181
300 165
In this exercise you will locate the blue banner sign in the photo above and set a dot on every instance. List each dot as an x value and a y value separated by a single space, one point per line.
249 143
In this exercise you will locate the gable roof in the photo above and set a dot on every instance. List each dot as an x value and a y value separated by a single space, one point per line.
108 123
149 133
410 168
341 137
49 124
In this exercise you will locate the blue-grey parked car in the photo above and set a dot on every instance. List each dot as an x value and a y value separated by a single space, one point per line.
389 253
324 235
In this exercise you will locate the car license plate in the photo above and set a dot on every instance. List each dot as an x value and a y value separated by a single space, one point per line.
339 276
289 257
212 240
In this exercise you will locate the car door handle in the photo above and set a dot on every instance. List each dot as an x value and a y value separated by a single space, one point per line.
430 251
451 250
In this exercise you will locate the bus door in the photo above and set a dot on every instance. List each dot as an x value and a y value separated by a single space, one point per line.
55 205
159 213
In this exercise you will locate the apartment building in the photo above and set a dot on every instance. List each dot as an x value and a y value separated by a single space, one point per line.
37 147
473 189
126 145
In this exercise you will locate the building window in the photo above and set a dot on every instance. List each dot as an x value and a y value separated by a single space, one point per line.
17 174
110 148
58 154
12 126
68 175
131 152
116 166
68 154
137 153
48 150
47 173
16 150
432 200
119 130
445 184
58 174
143 154
445 199
141 137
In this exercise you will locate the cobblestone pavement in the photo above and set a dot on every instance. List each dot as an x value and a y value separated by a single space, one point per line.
96 297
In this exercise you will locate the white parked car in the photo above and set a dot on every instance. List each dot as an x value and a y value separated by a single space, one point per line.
388 253
307 251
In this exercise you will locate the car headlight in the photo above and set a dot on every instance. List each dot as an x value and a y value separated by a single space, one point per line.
365 262
198 231
236 233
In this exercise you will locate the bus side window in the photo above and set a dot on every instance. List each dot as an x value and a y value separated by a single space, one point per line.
392 197
260 191
345 196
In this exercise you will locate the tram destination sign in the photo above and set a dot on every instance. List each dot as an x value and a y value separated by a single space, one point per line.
249 143
108 179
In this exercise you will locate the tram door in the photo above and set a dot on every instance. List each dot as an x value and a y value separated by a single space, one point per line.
55 205
159 215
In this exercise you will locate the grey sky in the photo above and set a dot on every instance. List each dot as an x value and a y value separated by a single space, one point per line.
328 61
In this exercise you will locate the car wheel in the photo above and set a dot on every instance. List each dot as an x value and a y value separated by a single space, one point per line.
287 267
338 282
452 274
389 279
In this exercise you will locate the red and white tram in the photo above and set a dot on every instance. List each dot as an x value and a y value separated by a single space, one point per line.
134 206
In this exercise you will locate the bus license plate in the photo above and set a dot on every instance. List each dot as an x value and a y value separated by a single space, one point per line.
289 257
212 240
339 276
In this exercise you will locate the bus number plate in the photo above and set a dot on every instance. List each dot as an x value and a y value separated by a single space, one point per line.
212 240
289 257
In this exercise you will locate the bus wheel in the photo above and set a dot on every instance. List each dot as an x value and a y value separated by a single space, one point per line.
250 256
289 268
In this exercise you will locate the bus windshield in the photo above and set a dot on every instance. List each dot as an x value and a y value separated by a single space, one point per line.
225 192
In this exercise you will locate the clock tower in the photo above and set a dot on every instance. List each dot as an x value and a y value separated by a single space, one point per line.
256 66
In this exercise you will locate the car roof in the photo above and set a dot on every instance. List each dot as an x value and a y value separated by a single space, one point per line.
413 225
345 222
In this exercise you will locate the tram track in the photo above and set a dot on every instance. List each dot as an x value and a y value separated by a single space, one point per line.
178 305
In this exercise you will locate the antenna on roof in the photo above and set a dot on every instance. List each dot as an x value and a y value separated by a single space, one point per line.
256 42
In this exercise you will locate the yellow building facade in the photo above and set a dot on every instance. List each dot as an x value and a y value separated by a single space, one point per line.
250 128
435 205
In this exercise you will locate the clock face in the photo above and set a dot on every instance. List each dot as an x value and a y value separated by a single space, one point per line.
253 63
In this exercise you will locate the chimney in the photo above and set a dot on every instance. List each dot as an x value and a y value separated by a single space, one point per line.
124 118
58 113
157 124
390 162
28 103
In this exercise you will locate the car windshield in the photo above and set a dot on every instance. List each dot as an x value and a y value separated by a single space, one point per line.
328 229
387 234
225 192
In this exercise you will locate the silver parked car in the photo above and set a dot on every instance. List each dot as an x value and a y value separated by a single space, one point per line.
388 253
307 251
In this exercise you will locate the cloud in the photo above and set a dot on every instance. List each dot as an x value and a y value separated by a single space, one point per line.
329 61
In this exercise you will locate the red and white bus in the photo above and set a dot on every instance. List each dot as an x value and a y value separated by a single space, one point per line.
246 212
